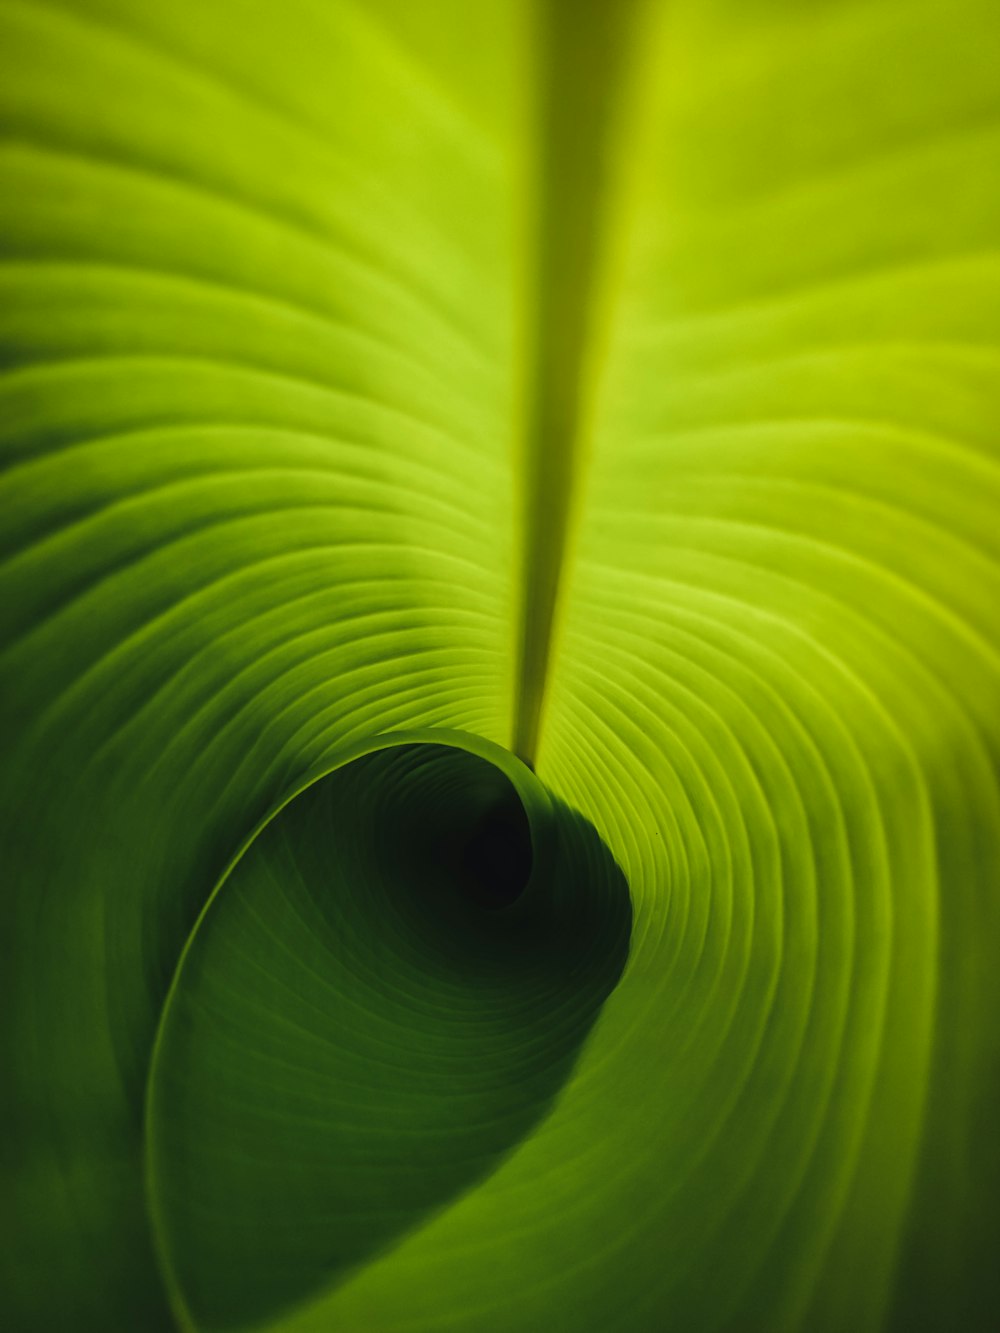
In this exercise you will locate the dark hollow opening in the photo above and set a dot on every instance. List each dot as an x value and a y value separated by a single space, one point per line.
495 862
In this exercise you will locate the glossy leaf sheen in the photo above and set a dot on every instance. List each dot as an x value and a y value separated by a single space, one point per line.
612 384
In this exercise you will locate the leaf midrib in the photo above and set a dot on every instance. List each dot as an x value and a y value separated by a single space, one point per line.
581 71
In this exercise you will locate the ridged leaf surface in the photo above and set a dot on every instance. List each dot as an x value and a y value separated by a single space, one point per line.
390 388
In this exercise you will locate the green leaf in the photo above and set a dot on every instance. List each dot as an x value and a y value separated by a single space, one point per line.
614 385
366 1025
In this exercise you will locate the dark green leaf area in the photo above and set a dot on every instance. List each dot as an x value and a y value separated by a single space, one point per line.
383 999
